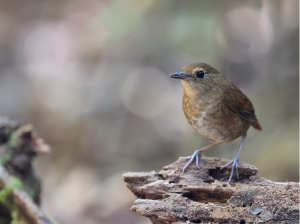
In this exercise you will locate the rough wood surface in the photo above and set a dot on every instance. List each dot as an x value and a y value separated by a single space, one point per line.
204 196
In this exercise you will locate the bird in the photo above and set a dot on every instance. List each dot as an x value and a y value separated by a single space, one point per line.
215 108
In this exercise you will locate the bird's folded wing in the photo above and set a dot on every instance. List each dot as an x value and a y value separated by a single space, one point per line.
238 102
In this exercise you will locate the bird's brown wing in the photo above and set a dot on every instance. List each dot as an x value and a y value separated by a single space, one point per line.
238 102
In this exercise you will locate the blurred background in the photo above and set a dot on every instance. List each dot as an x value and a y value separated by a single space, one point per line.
92 77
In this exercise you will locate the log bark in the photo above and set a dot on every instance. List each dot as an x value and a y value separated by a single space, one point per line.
20 185
204 196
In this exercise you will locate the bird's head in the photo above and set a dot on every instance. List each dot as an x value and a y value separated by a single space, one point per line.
199 78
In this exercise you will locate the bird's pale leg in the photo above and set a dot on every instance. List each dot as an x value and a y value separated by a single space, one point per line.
235 161
197 155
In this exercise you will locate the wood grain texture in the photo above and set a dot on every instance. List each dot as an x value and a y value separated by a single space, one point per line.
204 196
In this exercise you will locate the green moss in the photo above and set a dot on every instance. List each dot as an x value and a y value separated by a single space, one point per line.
34 190
12 140
31 193
16 183
14 215
8 203
5 159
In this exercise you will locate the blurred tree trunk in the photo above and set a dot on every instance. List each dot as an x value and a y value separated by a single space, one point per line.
20 186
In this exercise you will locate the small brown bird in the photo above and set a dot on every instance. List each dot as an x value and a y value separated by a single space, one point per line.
215 108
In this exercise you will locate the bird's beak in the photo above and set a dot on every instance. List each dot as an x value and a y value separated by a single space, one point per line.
179 75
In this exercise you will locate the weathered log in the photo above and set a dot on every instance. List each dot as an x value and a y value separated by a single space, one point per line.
204 196
20 186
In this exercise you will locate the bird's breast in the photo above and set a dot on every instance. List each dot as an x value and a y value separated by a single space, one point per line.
214 120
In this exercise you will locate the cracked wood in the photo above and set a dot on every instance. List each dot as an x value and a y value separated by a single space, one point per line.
204 196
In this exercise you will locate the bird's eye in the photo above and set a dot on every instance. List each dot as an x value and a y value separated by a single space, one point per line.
200 74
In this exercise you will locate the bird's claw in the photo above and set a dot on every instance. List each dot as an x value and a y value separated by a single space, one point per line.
234 163
196 155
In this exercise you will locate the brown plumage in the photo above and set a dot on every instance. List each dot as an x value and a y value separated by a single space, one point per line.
215 108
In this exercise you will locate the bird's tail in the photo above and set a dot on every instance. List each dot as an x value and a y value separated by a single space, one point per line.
256 125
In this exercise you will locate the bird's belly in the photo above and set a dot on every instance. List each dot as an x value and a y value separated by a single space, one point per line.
218 126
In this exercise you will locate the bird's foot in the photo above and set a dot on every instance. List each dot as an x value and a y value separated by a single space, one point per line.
234 163
196 155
